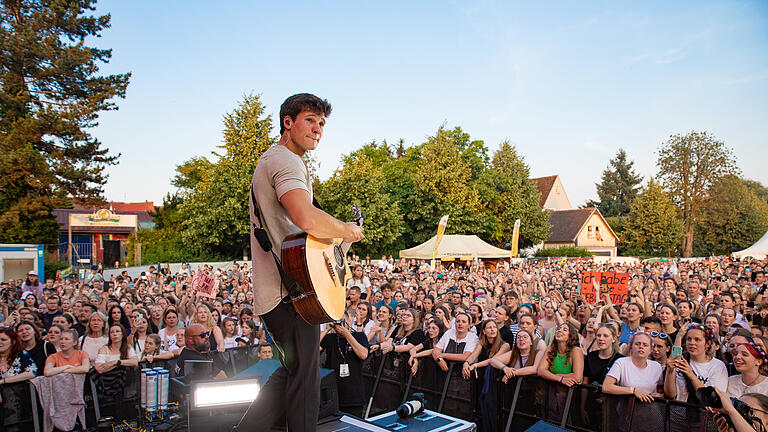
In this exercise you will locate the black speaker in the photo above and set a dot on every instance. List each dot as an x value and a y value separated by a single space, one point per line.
329 395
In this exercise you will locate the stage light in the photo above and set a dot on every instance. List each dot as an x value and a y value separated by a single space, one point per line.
213 394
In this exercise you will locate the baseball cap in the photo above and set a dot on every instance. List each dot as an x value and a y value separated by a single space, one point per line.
32 273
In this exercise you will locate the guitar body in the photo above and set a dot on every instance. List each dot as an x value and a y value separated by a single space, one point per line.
320 267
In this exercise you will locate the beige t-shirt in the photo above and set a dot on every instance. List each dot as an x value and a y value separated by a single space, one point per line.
279 171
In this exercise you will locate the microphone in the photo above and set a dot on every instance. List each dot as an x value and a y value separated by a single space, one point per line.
413 406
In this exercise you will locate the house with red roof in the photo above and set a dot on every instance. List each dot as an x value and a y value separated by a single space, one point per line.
584 228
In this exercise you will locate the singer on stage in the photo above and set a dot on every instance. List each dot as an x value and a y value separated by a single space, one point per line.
283 192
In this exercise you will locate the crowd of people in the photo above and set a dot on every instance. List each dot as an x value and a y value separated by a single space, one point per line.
686 326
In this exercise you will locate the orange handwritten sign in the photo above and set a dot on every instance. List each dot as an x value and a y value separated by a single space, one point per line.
611 283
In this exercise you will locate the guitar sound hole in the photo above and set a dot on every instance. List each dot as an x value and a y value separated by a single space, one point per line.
338 255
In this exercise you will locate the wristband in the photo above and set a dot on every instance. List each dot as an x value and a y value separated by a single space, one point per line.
561 380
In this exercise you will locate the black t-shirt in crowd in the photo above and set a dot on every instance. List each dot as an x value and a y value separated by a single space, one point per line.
506 335
596 368
415 338
338 352
40 353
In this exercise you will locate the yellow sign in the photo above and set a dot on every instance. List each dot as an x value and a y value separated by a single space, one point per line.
103 218
104 215
440 230
515 238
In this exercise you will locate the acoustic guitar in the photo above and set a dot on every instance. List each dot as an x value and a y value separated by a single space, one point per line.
320 267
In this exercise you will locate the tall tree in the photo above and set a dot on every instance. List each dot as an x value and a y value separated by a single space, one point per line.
50 95
653 225
688 167
509 194
618 186
732 218
361 181
445 184
216 214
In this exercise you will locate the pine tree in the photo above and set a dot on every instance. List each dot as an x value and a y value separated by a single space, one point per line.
49 97
653 225
509 195
618 186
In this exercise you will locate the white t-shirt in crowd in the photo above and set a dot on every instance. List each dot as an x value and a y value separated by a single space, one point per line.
230 342
737 388
471 340
104 358
363 284
629 375
92 346
167 341
712 373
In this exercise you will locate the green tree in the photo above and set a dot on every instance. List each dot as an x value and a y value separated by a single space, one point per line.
653 226
758 188
688 167
361 181
191 172
216 214
444 184
732 218
509 195
50 95
618 186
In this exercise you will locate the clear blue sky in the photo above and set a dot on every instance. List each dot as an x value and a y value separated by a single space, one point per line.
568 83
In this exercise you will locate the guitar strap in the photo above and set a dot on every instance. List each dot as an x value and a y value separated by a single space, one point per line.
295 291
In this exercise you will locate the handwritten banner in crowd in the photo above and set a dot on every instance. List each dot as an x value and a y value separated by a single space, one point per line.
610 283
206 285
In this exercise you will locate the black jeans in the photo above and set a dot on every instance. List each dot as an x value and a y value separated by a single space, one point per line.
293 391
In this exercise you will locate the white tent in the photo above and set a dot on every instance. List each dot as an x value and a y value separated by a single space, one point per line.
759 250
455 247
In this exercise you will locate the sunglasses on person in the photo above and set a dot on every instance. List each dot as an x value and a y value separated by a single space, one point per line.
659 335
203 335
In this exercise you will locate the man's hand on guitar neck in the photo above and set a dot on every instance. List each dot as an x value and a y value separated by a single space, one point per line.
312 220
355 232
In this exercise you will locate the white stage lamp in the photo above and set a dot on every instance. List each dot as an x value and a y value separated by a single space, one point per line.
224 393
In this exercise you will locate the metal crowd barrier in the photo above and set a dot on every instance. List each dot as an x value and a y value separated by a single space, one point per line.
521 402
20 410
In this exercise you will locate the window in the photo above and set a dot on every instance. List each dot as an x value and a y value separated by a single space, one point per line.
589 232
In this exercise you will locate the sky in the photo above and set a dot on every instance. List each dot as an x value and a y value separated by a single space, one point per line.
568 83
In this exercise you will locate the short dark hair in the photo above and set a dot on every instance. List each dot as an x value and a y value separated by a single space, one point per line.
298 103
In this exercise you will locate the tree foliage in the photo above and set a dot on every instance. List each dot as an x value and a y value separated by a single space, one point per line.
361 181
51 94
450 174
688 167
618 186
563 251
215 214
732 218
508 194
758 188
653 226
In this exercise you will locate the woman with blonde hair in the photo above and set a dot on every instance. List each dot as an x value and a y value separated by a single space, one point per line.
204 317
95 335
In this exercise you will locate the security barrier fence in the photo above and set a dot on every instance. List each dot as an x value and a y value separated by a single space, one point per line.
521 402
484 399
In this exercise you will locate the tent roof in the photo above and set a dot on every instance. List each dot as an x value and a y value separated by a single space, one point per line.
758 250
455 246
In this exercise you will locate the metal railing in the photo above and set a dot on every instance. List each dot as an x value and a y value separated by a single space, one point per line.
522 401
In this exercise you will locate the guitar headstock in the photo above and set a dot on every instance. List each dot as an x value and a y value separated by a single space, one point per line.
358 216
